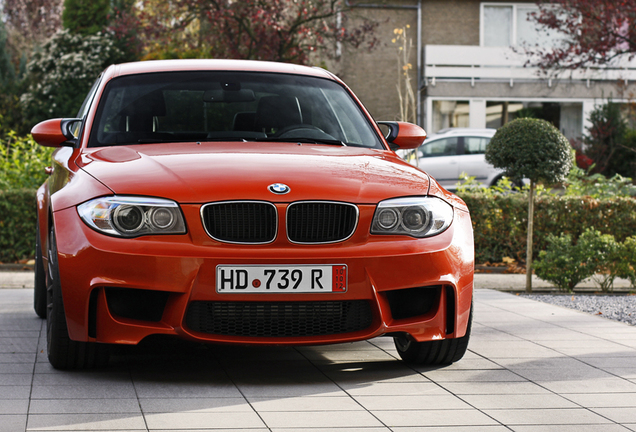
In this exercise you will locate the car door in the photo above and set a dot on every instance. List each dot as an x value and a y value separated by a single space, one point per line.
440 159
473 162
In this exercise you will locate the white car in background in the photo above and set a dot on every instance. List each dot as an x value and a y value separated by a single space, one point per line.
451 152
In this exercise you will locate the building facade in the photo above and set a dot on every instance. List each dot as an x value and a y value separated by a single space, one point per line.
468 70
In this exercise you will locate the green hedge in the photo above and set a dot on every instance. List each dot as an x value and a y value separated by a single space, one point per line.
17 224
500 221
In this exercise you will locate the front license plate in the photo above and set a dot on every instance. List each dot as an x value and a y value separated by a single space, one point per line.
281 279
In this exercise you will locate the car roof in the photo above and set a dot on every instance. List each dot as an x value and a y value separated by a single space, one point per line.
218 65
485 132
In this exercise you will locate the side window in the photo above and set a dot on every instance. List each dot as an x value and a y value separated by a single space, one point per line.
87 102
475 145
81 114
113 121
352 126
441 147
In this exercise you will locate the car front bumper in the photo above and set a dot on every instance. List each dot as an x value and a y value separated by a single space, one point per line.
123 290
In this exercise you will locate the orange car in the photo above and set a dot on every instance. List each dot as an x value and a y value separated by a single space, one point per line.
248 203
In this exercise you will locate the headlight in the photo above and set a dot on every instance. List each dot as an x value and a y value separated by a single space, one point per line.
416 217
132 216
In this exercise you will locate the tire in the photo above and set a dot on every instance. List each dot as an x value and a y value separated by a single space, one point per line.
39 282
437 352
516 185
64 353
495 181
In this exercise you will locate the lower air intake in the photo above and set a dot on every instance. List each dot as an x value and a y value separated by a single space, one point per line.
279 319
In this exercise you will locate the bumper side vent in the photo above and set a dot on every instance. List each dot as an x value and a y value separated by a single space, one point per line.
450 310
142 305
413 302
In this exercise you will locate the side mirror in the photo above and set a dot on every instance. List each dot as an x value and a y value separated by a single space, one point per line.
57 132
404 135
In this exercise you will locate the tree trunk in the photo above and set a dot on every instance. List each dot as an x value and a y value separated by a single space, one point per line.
529 242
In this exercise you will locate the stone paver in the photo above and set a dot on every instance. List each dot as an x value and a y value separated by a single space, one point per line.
530 367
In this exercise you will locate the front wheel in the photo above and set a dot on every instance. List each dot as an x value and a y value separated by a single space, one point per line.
437 352
39 292
63 352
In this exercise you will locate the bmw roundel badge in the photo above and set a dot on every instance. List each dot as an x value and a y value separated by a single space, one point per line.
279 188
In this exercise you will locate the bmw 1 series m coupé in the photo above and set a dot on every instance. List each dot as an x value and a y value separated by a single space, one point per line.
243 202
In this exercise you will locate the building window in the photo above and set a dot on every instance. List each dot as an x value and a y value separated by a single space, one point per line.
450 113
506 24
566 116
497 25
500 113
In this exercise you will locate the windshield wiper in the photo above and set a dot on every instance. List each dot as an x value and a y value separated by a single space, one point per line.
216 139
305 141
247 139
160 141
154 141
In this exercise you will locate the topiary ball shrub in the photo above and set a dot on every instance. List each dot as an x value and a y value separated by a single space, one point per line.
531 148
564 263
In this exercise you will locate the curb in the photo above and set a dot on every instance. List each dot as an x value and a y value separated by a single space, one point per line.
16 267
496 278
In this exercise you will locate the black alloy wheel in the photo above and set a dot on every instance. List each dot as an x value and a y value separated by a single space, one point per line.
437 352
63 352
39 283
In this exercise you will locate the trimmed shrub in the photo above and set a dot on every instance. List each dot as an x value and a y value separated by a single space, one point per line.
625 265
536 150
530 148
500 221
17 224
22 162
566 263
602 251
563 263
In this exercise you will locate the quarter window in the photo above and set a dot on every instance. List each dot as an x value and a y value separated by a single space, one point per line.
87 102
475 145
441 147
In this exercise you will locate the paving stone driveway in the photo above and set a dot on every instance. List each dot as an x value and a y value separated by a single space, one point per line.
530 367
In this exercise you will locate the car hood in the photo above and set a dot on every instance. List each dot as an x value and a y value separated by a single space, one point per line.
204 172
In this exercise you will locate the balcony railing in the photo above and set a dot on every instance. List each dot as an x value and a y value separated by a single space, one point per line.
476 63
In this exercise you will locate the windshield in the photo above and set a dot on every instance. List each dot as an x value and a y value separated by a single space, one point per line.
228 106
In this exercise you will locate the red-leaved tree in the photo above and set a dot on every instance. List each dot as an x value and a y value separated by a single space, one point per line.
30 23
125 26
277 30
596 32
